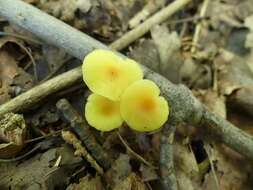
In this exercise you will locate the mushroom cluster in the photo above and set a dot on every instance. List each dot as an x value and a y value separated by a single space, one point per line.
119 93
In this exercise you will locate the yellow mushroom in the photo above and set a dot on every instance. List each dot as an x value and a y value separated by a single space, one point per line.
109 75
102 113
142 108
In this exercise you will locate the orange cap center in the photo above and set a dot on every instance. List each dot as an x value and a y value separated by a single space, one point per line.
113 73
147 104
107 108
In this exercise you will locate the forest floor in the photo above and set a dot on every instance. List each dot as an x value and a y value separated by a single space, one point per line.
207 45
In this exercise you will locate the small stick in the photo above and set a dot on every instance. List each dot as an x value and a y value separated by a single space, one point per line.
143 28
151 7
21 157
81 129
44 136
32 60
20 37
188 19
26 100
70 138
168 176
134 153
209 155
199 26
59 66
44 145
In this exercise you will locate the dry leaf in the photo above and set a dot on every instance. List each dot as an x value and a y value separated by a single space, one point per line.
148 173
10 73
243 99
119 171
87 183
221 12
249 38
233 74
37 172
65 9
185 159
8 70
168 46
147 54
12 134
232 172
8 150
132 182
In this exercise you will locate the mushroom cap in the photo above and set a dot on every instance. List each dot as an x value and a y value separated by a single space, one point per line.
142 108
109 75
102 113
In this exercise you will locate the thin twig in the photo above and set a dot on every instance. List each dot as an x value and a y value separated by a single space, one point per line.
82 130
21 37
215 77
188 19
59 66
151 7
143 28
25 49
199 26
134 153
70 138
44 136
33 96
21 157
32 60
209 155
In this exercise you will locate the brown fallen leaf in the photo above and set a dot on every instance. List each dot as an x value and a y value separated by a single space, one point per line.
10 55
220 11
243 99
63 9
249 40
13 78
234 72
123 10
87 183
168 45
8 70
120 169
146 53
232 172
38 172
148 173
132 182
12 134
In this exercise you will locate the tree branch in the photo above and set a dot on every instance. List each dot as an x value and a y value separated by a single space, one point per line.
83 132
169 180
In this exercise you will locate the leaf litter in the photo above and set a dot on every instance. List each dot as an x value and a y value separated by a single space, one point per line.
220 73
